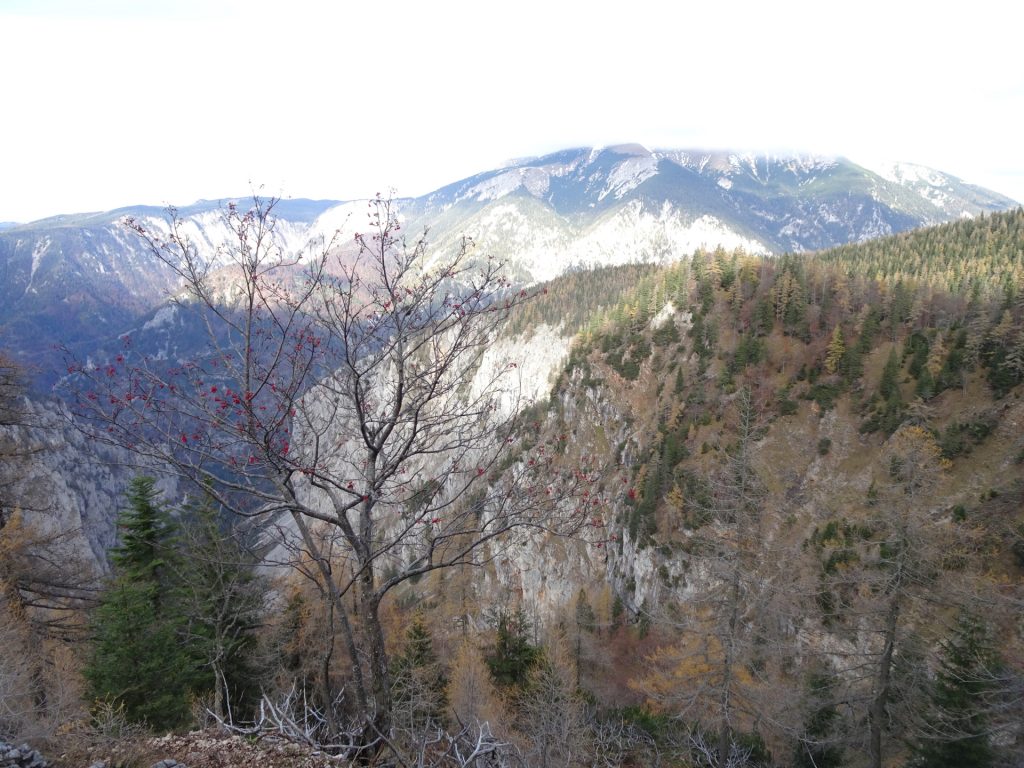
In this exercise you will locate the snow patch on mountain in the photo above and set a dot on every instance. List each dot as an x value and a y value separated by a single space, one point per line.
628 175
535 180
496 187
37 256
540 245
212 234
337 225
941 190
633 234
906 173
806 165
164 316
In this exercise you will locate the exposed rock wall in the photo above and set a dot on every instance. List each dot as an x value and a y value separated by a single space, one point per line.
66 483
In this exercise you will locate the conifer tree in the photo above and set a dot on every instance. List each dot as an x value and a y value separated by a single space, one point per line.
147 535
223 599
471 692
138 661
716 672
514 655
816 747
888 386
836 350
956 729
925 388
550 713
420 685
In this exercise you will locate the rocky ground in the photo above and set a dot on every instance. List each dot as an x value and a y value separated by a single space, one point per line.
216 749
22 756
199 749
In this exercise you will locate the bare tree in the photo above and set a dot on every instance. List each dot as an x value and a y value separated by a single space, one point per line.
223 599
551 712
15 675
615 741
712 753
471 693
342 390
45 582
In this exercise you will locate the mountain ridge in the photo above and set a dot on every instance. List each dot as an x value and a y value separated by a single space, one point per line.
83 278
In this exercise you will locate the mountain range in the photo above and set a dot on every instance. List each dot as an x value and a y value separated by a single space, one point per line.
80 279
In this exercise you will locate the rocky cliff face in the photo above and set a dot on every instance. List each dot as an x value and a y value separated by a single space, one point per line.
816 463
64 483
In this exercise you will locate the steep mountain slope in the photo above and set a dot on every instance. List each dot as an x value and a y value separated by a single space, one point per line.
948 193
809 335
831 459
78 279
672 200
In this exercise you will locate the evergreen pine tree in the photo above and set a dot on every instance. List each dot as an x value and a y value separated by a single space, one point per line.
223 600
956 729
868 331
888 386
420 684
138 661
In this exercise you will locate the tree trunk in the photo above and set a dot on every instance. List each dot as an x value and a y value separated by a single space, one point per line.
883 682
218 693
729 650
326 689
380 671
338 610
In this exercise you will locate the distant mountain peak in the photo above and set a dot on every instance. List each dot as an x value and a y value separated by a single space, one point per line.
74 278
629 149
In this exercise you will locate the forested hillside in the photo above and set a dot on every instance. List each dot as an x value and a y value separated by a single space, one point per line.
971 258
800 542
818 494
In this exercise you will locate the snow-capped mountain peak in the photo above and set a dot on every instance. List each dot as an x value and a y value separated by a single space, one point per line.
86 276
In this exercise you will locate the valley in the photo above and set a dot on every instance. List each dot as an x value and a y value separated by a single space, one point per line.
686 458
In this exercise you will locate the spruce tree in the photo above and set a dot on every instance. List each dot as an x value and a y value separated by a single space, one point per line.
514 655
138 661
147 535
925 388
420 684
817 747
956 725
223 600
888 386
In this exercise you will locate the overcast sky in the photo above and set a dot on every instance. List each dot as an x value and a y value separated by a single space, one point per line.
109 103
